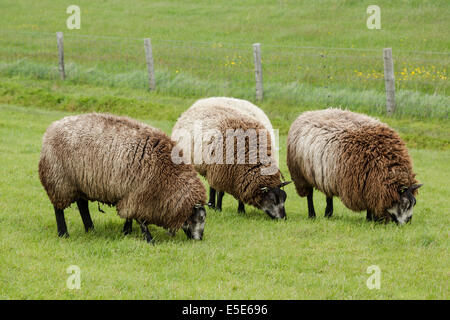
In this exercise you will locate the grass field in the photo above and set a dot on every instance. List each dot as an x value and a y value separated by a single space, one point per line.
242 256
317 54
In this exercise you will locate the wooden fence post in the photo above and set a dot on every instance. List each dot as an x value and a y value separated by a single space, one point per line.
149 60
389 80
60 42
258 71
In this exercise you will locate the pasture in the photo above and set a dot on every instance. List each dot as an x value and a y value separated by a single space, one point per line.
241 256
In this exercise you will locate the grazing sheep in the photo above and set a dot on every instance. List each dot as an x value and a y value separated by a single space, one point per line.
357 158
251 110
121 162
203 132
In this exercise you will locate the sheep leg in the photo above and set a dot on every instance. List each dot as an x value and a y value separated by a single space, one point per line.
61 223
212 198
329 208
370 216
241 207
311 211
219 200
144 229
128 226
83 207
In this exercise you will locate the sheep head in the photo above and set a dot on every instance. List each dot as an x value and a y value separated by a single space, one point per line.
273 200
401 212
195 224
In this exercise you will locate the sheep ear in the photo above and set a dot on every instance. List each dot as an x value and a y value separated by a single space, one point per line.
264 189
415 187
284 184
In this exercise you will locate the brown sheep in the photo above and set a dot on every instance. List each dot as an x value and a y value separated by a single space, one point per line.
120 162
250 110
253 182
355 157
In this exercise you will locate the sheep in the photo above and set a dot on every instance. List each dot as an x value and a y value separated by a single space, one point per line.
251 110
256 181
121 162
356 158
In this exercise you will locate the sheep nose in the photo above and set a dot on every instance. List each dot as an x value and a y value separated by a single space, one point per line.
394 218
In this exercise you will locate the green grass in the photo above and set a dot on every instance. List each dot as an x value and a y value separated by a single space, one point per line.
418 132
241 257
203 48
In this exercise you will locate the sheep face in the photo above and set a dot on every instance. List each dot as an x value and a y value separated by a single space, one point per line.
273 202
194 226
401 212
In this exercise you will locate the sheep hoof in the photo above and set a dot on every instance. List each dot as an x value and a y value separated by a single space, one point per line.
214 207
329 207
128 226
145 232
241 207
171 233
148 239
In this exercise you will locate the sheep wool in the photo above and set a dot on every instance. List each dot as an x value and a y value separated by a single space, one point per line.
118 161
244 106
353 156
243 181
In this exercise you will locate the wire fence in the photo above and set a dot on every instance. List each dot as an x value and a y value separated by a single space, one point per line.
213 68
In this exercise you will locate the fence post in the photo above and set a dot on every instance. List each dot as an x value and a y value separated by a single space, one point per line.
389 80
60 42
149 60
258 71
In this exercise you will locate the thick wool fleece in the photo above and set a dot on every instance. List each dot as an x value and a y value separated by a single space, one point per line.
118 161
240 105
351 156
243 181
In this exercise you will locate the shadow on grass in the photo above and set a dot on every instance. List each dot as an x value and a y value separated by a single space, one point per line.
357 219
112 231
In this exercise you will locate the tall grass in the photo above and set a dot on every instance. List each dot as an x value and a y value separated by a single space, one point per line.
409 103
318 55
